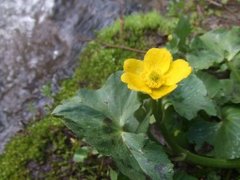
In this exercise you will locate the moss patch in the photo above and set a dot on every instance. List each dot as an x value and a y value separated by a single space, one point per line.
25 146
45 148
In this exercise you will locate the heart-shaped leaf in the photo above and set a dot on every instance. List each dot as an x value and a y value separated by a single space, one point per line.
214 47
224 135
190 97
105 118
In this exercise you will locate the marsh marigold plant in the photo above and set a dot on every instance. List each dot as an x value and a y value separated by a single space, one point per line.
157 75
119 124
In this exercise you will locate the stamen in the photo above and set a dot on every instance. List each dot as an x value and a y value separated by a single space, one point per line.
153 79
154 76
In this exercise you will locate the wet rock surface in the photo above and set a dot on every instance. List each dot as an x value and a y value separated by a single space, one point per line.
39 45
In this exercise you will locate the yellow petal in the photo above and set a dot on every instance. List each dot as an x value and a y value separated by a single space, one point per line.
158 59
135 83
179 70
162 91
133 66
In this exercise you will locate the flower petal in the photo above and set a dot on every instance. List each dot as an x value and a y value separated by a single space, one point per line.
162 91
134 82
158 59
133 66
178 70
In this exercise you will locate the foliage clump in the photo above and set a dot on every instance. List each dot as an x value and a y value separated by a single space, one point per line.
118 122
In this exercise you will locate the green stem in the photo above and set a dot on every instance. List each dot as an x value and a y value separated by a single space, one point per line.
189 156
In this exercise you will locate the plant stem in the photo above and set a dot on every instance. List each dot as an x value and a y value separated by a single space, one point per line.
189 156
106 45
122 47
197 159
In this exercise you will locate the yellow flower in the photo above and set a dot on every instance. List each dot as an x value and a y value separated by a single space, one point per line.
157 75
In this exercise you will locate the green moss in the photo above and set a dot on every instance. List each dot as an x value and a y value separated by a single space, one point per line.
137 24
96 63
25 146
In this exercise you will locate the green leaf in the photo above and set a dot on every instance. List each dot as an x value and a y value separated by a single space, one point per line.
235 78
220 90
214 47
149 156
183 29
200 56
225 94
224 42
224 135
211 83
235 90
190 97
180 35
105 118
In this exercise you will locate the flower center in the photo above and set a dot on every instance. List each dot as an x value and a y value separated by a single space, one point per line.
153 79
153 76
